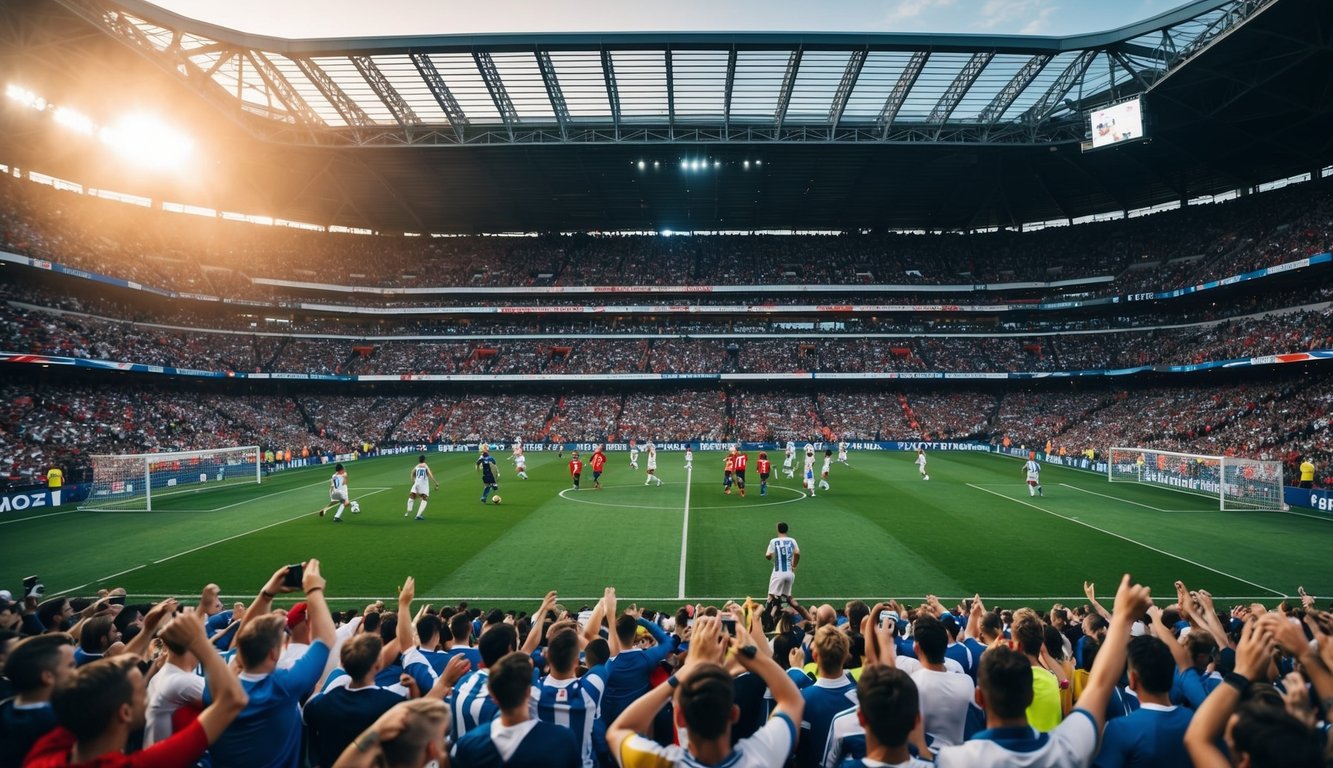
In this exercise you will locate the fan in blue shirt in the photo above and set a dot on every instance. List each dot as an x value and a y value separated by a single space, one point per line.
514 739
629 670
565 699
833 692
471 703
267 734
337 716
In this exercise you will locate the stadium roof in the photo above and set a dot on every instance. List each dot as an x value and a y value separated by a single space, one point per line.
493 133
655 87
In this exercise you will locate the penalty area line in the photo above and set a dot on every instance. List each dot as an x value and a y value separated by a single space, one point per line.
1131 541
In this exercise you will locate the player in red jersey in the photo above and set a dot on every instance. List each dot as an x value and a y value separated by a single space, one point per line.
765 469
575 467
728 467
597 461
741 461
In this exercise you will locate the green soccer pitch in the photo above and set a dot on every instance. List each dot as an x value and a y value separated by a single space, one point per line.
880 532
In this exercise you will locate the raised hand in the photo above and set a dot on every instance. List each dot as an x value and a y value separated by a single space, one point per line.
311 578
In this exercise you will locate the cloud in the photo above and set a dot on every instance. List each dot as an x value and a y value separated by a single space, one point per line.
911 12
1029 17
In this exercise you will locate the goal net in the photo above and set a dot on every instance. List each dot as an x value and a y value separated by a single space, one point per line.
133 482
1236 483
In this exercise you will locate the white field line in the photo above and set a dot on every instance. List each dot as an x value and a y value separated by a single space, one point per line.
1131 541
38 517
1122 501
684 533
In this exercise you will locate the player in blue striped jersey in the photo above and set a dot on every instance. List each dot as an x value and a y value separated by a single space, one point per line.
422 477
564 698
338 495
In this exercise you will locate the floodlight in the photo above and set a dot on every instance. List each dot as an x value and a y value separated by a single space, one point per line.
642 165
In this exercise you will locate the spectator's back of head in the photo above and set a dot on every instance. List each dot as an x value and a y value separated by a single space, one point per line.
428 631
40 661
1152 663
705 701
889 704
97 694
1027 631
460 626
422 739
359 655
626 626
1271 738
562 651
510 681
931 637
96 635
260 638
992 626
597 651
1005 679
830 648
495 642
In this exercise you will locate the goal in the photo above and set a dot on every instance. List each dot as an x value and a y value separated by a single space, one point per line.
1235 482
132 482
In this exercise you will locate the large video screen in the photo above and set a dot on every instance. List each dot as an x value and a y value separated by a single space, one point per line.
1117 123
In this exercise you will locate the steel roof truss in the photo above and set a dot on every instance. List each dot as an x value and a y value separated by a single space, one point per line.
347 108
966 77
1014 88
398 107
788 84
730 86
495 84
898 95
440 90
1055 94
845 86
279 86
553 91
612 91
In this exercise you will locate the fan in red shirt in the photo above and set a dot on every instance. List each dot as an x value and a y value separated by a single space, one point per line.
728 467
765 468
575 467
741 460
104 701
598 461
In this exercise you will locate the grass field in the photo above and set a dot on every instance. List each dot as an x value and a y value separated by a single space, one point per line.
880 532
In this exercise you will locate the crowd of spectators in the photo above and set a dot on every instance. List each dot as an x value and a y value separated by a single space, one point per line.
216 257
1146 680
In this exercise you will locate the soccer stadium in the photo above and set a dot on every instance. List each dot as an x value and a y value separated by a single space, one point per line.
558 356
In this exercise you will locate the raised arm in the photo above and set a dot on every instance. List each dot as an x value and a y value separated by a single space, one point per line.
786 696
1205 729
1090 591
151 621
594 627
317 606
534 639
1206 615
1130 602
1163 632
974 615
1291 639
612 639
228 698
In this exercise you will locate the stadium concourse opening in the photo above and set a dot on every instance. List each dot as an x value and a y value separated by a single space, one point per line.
441 375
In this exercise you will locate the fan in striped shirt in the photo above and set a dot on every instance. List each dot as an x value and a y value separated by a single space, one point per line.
564 698
471 703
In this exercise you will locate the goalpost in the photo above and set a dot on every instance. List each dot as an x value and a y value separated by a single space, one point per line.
1235 482
130 482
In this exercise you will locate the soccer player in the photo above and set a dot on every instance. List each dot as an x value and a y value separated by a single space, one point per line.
633 454
575 468
652 465
842 452
809 471
728 469
337 494
739 472
823 472
520 462
1307 473
689 457
422 477
490 474
785 554
789 461
598 462
1033 472
921 462
765 469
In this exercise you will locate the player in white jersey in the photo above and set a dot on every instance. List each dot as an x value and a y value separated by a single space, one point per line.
633 455
689 457
422 477
652 465
520 461
842 452
921 462
789 461
1033 471
823 472
784 553
808 476
337 494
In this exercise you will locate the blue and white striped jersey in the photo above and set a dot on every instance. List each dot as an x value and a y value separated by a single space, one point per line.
471 704
573 704
783 549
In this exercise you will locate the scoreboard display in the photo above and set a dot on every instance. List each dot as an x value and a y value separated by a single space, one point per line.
1117 123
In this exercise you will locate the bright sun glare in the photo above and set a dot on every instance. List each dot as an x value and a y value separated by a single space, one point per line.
148 142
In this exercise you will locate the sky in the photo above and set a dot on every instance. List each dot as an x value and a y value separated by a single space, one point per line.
349 18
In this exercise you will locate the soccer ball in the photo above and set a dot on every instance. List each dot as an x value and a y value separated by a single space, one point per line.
925 477
495 499
356 507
